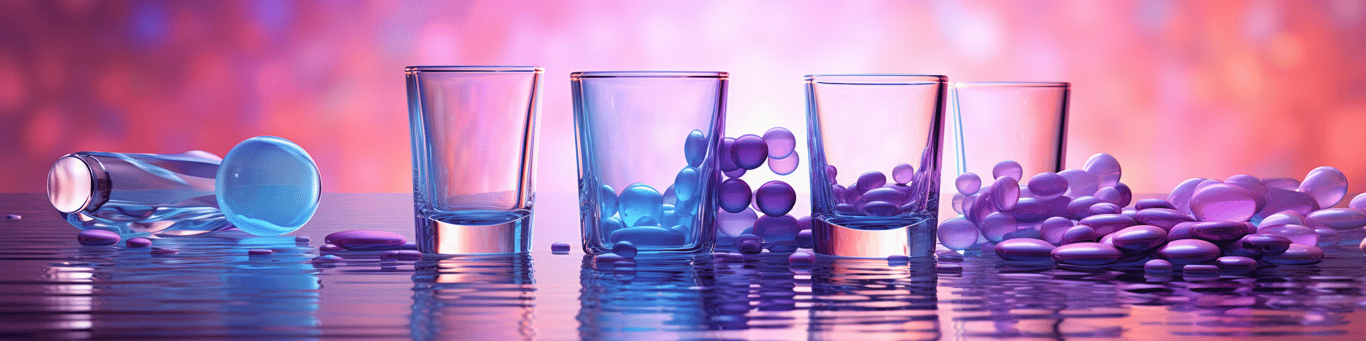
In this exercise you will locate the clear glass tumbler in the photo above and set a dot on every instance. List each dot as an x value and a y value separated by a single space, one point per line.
647 145
474 131
1021 121
875 146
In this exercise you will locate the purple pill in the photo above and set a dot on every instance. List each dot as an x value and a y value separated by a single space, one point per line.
138 242
776 229
1181 230
735 195
1107 223
1105 208
751 246
1027 209
804 239
1197 271
1298 254
1153 203
880 209
1081 207
1337 218
780 141
1025 249
847 209
1249 183
366 240
302 240
1328 237
1080 183
1005 193
1047 185
1189 251
868 181
1265 244
1236 263
968 183
1219 231
785 165
97 237
734 173
1105 168
1326 184
804 223
560 247
1220 202
695 148
1086 254
13 216
1280 200
903 173
1358 202
1161 217
1282 183
831 172
330 248
802 258
726 158
957 234
735 224
1023 232
1297 234
775 198
260 252
625 249
401 255
749 151
996 225
1052 229
1007 168
408 246
1139 238
1157 266
1181 195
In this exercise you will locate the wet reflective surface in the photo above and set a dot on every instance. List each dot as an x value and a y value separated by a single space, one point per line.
51 287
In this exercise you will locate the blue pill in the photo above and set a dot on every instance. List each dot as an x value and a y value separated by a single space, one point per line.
775 198
639 201
625 249
647 221
648 236
735 195
268 186
611 224
695 148
607 200
775 229
559 247
686 184
749 151
780 141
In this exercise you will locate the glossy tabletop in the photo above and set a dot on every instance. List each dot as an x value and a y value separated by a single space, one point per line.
52 287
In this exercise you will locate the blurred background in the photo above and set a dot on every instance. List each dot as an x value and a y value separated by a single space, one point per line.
1173 89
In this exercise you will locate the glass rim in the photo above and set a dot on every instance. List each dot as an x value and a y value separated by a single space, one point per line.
649 74
876 79
472 68
1013 84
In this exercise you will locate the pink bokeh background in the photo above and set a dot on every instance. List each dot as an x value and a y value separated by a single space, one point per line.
1173 89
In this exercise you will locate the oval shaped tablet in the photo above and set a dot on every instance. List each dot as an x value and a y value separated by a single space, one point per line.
1326 184
1189 251
1086 254
1220 202
1139 238
957 234
1025 249
1298 254
1338 218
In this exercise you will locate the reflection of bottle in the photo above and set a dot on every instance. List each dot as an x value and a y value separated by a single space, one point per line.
265 186
471 297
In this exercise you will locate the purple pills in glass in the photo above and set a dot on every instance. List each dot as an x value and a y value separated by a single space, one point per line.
735 195
868 181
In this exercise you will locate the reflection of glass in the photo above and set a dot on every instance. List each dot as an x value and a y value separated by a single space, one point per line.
875 149
869 300
647 165
1020 121
474 297
265 186
658 293
474 132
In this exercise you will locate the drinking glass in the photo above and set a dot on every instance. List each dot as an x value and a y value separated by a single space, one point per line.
474 131
1025 122
647 145
875 154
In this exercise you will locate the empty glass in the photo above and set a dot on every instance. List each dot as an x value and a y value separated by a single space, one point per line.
647 145
1021 121
875 151
474 131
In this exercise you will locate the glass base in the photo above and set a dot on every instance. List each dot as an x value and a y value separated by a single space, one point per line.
474 232
838 236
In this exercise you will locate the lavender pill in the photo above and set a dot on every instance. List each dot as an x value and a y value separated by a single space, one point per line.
1189 251
1298 234
13 217
138 242
1236 263
97 237
725 156
1007 168
775 229
957 234
559 247
330 248
1280 200
1181 195
1025 249
1053 228
1157 266
1086 254
903 173
1047 185
1105 208
1338 218
1358 202
1080 183
1105 167
1153 203
1006 192
1326 184
868 181
781 142
1220 202
366 240
997 224
968 183
1139 238
801 258
1298 254
1219 231
785 165
1165 218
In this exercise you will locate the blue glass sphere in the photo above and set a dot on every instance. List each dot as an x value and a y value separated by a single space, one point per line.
268 186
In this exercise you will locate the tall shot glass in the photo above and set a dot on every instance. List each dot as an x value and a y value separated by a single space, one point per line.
875 143
474 131
647 146
1025 122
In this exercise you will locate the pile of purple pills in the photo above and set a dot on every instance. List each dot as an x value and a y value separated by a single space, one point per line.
393 245
752 219
1082 218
